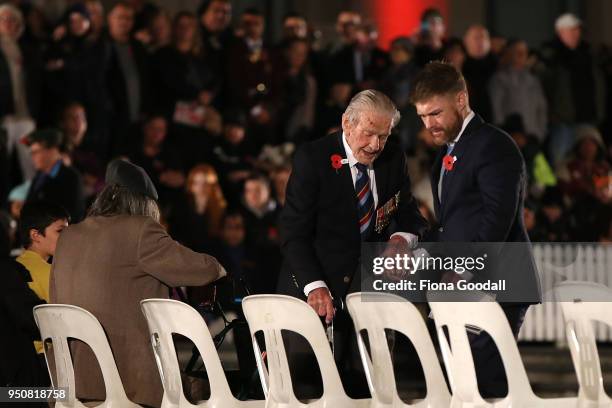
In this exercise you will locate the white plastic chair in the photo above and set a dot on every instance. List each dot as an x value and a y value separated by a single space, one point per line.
60 322
582 304
376 312
274 313
459 362
165 317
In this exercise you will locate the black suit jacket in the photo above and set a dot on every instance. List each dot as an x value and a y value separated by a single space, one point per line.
482 201
319 224
65 189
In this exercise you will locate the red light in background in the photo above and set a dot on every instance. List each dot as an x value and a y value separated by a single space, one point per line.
402 17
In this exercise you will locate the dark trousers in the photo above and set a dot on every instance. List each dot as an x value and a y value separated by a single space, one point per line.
490 372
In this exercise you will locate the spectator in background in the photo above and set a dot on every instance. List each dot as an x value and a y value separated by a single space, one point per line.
396 83
346 29
73 124
181 72
233 155
430 38
280 178
298 94
96 15
514 89
261 211
195 219
40 226
553 221
215 17
585 179
250 67
330 112
159 31
127 74
455 54
75 71
159 158
295 26
574 84
21 366
361 63
20 68
16 199
54 181
540 174
586 172
478 68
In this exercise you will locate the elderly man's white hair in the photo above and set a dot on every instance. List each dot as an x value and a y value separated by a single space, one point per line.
371 100
16 13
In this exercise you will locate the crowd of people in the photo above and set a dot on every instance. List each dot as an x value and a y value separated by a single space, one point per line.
213 113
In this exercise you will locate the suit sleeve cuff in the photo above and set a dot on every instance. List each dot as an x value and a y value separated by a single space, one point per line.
411 239
314 285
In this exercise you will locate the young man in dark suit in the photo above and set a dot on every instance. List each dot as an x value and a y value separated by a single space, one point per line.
478 185
345 189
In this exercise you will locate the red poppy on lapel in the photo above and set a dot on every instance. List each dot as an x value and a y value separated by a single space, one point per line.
336 161
449 162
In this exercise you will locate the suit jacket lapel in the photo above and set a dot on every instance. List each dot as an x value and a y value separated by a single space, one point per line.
344 181
435 178
381 174
459 150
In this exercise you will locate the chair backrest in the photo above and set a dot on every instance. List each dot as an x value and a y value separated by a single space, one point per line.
376 312
165 317
61 322
580 313
459 362
274 313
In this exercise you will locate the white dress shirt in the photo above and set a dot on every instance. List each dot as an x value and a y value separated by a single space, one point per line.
352 161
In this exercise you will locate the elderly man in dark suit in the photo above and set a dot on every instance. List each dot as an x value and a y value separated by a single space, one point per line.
478 184
345 189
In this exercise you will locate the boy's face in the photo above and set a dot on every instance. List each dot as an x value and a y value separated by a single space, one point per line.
46 243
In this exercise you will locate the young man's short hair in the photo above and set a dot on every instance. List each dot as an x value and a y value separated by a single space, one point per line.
38 215
436 79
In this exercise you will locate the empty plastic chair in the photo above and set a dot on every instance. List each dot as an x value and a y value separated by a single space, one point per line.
272 314
60 322
460 364
580 311
376 312
165 317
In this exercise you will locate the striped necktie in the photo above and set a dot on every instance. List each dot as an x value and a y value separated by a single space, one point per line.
365 200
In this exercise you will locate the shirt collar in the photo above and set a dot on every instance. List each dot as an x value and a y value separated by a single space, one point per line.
352 161
467 120
55 169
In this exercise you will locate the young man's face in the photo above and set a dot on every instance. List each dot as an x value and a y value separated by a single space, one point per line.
441 115
43 158
46 243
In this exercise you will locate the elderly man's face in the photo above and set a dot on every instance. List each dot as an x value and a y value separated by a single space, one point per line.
9 24
441 115
368 136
